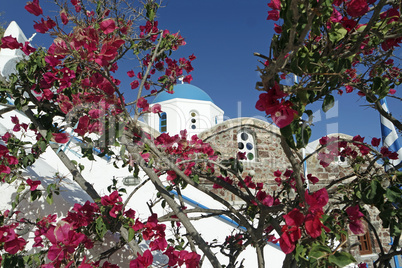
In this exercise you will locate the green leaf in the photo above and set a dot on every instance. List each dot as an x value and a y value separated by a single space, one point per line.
35 195
123 190
394 194
196 179
374 194
49 199
87 152
81 167
131 234
306 134
318 251
101 227
288 134
123 151
341 258
15 261
328 103
337 33
21 188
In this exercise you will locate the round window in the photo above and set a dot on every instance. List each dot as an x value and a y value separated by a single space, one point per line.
193 114
193 120
250 156
240 145
193 126
244 136
249 146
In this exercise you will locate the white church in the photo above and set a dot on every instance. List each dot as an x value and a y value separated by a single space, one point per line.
189 107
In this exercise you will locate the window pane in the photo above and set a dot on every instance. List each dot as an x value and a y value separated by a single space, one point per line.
249 146
240 145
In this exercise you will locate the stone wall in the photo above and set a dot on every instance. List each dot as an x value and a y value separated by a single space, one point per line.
270 157
269 153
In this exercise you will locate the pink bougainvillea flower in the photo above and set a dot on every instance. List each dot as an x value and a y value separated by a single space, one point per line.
263 197
277 173
134 84
143 104
273 15
357 227
188 78
27 49
313 225
13 244
336 16
354 212
241 155
357 8
64 239
33 184
348 24
284 115
44 26
5 169
324 140
275 4
392 91
6 137
156 108
83 124
10 42
390 43
375 142
142 261
317 200
337 2
61 137
294 218
64 18
130 213
34 8
312 178
3 150
355 223
289 238
15 120
391 15
131 73
349 89
115 200
95 113
108 26
277 28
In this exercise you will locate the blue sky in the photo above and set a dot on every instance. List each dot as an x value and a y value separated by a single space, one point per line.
223 35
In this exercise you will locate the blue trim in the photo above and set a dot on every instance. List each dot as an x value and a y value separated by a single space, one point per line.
396 258
220 217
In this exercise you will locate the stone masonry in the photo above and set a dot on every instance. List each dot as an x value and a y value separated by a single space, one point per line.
270 157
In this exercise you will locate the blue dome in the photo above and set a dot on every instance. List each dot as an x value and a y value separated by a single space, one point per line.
183 91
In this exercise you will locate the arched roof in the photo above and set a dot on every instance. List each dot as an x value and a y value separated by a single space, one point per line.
183 91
